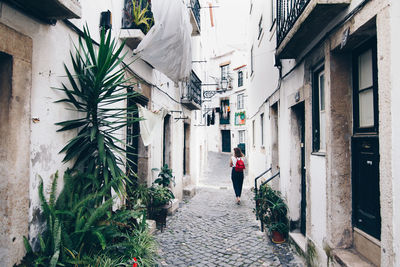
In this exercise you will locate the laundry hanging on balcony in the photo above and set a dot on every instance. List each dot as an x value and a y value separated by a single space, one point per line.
167 46
149 123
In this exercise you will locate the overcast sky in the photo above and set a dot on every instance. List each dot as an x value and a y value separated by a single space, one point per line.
230 19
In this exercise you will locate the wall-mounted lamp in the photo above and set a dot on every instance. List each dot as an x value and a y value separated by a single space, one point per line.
106 20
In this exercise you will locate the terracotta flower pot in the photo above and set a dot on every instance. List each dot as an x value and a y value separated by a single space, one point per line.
277 237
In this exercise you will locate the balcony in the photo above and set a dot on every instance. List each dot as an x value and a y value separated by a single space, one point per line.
49 10
299 21
191 97
225 112
195 16
137 19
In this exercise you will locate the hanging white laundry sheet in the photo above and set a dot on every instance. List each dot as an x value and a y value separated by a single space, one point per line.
167 46
149 123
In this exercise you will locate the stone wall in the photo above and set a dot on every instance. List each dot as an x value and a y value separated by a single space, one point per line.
15 92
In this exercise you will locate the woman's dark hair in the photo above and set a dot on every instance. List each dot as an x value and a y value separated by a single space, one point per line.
238 152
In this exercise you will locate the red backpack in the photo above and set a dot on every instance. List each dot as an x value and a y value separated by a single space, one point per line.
239 165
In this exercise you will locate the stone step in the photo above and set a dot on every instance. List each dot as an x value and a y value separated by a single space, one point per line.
299 241
350 258
151 224
189 191
174 206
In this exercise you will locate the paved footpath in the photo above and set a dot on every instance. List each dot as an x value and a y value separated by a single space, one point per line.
211 230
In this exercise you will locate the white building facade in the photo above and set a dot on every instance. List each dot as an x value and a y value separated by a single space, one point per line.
35 43
323 116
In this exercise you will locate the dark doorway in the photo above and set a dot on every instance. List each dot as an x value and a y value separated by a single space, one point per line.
167 141
226 140
299 112
133 140
365 141
274 117
186 148
366 214
136 152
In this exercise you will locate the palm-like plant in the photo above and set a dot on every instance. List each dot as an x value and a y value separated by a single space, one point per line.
97 90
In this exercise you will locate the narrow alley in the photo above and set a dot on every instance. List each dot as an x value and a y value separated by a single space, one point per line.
211 230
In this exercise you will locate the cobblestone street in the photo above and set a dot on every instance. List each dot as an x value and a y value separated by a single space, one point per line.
211 230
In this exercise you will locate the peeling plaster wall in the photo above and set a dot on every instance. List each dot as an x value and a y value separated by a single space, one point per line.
15 92
384 60
317 191
290 184
395 109
329 209
51 47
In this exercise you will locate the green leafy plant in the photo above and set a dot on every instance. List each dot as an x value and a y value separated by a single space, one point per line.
50 239
140 16
81 228
97 90
165 177
272 209
139 194
160 196
78 229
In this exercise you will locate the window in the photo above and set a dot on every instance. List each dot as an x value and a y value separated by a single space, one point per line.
225 112
365 89
240 101
251 61
242 136
254 132
318 109
240 78
262 128
260 29
224 72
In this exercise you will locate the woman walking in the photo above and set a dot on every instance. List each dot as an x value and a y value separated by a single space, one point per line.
237 164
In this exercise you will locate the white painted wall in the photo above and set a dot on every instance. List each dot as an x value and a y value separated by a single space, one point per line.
51 47
317 189
395 82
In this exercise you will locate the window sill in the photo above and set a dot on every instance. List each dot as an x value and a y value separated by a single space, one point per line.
319 153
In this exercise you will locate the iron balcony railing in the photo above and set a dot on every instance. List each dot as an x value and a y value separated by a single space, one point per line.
195 6
192 91
288 11
256 192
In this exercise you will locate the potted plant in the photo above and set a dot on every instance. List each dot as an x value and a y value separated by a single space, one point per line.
138 16
160 196
159 200
272 210
165 177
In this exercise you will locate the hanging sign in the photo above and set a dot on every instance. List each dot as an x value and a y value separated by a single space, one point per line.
240 118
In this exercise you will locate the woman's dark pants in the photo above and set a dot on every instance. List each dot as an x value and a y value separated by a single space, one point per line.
237 180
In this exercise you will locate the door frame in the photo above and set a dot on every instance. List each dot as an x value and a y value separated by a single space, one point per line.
228 140
366 133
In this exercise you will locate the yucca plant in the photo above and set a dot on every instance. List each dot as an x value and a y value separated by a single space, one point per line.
97 89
